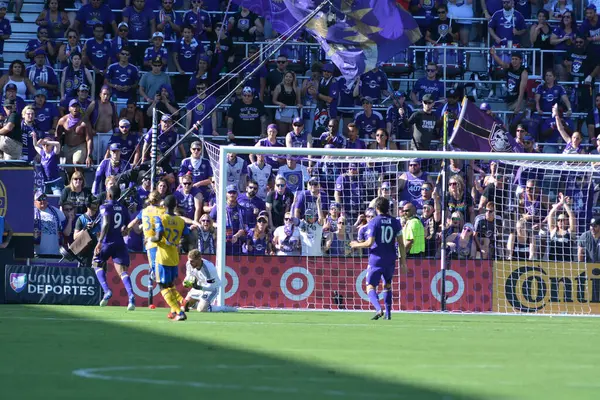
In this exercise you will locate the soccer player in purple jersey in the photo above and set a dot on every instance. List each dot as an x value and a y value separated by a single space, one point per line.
382 233
115 218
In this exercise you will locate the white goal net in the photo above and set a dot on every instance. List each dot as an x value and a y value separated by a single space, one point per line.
511 230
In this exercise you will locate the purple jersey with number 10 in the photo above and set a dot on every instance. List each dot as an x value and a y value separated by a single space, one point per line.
384 229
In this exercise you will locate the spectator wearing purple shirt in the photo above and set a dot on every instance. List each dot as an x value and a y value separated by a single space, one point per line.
89 15
198 19
270 141
427 9
411 181
168 21
395 121
489 7
327 99
41 75
185 55
5 31
41 43
548 94
96 55
372 84
258 80
562 39
428 85
127 140
353 141
167 136
142 25
49 151
235 228
506 25
590 27
46 114
307 199
200 105
200 170
348 191
189 199
252 204
157 52
112 166
332 136
368 120
122 77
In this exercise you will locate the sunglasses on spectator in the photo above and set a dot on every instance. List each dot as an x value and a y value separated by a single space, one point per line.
454 219
428 102
489 211
452 184
331 126
262 221
427 189
370 216
313 184
405 210
195 148
125 54
67 209
123 30
561 219
72 37
441 11
280 185
413 165
286 218
527 142
380 135
204 220
77 179
341 223
298 125
431 70
530 188
124 126
281 62
467 229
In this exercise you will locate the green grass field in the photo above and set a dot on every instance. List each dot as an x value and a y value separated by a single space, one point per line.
59 352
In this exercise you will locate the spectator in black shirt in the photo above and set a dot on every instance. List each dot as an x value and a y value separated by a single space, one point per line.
442 30
425 125
11 146
246 117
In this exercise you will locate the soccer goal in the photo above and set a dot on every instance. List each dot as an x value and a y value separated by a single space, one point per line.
509 225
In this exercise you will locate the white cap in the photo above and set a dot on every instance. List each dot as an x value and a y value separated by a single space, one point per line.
123 24
158 34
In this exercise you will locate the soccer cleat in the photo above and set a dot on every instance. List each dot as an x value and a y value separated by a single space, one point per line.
105 299
377 316
184 305
387 316
180 317
171 315
131 305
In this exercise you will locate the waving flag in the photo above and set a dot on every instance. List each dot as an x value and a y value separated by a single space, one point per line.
477 131
355 34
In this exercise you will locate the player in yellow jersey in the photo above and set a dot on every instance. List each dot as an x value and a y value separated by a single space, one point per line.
169 229
148 227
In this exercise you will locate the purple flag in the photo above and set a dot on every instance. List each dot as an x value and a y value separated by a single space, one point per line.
476 131
355 34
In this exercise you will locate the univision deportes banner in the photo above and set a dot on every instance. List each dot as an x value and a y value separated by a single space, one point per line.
51 285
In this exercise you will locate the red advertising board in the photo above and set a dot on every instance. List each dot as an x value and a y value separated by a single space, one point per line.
326 283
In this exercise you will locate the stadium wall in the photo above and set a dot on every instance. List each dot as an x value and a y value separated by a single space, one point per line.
326 283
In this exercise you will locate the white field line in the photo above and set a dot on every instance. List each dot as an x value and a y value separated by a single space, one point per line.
103 374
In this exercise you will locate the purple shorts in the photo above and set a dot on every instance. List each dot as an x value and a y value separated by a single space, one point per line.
374 275
118 253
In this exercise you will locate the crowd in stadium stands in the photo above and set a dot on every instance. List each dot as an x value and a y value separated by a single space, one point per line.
90 81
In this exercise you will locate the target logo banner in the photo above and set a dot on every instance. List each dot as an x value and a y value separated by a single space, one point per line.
326 283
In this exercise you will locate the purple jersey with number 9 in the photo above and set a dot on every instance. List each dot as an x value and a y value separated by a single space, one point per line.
118 217
384 229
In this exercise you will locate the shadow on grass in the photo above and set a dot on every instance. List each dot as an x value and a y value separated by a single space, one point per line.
91 353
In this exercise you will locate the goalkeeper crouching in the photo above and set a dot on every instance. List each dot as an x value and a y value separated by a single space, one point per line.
203 281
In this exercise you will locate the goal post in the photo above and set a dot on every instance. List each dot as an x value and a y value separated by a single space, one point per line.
532 287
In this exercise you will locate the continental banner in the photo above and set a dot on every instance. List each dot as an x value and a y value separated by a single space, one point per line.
51 285
546 287
325 283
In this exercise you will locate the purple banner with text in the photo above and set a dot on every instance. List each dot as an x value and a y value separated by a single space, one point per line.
16 198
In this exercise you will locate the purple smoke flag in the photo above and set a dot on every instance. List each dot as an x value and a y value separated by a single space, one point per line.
476 131
355 34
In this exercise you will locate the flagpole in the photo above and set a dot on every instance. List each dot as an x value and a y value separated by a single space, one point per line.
443 259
